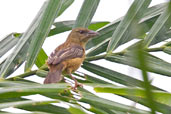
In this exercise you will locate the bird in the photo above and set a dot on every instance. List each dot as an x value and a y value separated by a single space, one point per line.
68 57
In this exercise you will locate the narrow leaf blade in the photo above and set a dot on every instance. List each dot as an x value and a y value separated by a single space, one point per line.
42 31
8 43
162 23
17 57
131 19
86 13
41 58
159 96
155 64
113 75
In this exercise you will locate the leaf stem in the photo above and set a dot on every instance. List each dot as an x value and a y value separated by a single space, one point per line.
92 58
26 74
156 49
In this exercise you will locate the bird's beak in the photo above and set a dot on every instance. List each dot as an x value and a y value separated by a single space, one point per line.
92 33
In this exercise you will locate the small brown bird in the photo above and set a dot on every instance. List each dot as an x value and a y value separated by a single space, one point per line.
68 56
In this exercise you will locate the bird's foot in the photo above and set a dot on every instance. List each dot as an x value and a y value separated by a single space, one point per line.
77 85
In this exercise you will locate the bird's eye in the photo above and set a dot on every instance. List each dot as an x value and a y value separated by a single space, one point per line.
81 32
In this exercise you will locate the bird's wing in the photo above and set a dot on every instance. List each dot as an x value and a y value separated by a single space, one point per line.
71 52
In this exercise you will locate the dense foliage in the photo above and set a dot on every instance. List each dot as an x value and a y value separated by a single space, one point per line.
151 25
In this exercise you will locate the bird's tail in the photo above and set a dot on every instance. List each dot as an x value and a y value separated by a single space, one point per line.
54 75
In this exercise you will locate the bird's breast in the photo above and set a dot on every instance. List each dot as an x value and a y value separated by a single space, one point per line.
74 64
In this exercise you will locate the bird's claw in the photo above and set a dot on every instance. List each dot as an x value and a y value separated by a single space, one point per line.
77 85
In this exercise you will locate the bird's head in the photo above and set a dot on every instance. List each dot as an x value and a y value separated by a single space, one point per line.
82 35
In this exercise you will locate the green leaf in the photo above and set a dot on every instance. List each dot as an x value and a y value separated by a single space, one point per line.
96 25
104 33
163 35
64 26
1 64
61 27
97 110
22 103
100 48
21 88
35 88
146 22
103 103
154 11
117 112
29 89
142 61
65 5
6 83
76 110
42 31
42 73
17 57
8 100
92 78
162 24
131 19
159 96
41 58
154 64
21 76
168 43
36 112
49 108
8 43
167 50
158 38
112 75
161 107
86 13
